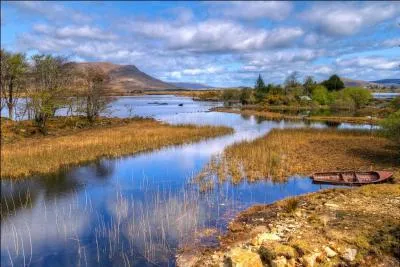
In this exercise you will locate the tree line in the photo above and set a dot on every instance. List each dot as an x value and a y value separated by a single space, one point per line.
45 82
330 92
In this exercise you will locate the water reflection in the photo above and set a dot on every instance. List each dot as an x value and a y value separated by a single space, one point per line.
135 210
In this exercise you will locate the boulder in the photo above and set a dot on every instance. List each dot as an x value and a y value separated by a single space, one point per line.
309 260
263 237
238 257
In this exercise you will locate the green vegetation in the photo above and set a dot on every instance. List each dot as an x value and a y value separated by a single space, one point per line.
334 83
320 94
391 126
13 71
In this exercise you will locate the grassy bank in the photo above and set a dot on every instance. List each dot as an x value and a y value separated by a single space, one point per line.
302 151
336 227
280 116
26 152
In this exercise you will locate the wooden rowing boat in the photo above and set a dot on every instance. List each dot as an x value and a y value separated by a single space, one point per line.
351 177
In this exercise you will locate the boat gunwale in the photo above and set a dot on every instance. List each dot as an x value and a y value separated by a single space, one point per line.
382 177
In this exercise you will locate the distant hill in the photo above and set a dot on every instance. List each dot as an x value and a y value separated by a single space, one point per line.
388 81
126 79
351 82
191 86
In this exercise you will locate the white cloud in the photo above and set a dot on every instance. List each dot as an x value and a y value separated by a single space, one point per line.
395 42
378 63
250 10
51 11
216 35
347 19
282 57
74 32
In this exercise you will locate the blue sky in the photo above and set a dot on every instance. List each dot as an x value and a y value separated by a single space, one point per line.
217 43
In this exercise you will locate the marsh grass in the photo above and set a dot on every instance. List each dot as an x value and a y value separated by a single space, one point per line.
38 154
280 116
282 153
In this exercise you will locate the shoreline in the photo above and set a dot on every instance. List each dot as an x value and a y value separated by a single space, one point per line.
25 156
280 116
326 228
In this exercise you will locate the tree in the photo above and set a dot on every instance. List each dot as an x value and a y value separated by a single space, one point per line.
245 96
320 95
360 96
50 77
259 83
334 83
292 81
13 70
309 84
93 93
391 126
260 89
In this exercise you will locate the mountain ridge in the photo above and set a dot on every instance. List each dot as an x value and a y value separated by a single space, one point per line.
125 79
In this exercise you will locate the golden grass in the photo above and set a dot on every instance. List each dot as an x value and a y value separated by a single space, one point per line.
27 156
279 116
303 151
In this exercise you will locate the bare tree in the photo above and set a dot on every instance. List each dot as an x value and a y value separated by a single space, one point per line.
13 73
292 81
93 98
50 78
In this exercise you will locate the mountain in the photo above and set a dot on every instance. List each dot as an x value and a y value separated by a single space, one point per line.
372 84
360 83
191 86
125 79
388 82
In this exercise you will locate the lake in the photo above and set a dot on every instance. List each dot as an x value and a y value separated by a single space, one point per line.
136 210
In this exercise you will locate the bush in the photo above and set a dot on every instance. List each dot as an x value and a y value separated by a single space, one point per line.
391 127
395 103
320 95
339 100
360 96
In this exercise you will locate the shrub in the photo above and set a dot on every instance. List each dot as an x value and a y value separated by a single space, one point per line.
395 103
319 94
391 127
360 96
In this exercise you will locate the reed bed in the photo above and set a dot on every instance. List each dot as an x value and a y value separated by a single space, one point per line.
282 153
30 156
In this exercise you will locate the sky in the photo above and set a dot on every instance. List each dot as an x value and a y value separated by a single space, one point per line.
216 43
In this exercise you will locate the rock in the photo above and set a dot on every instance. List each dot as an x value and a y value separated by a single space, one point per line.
279 262
283 262
310 259
187 259
331 205
350 254
263 237
235 227
330 252
239 257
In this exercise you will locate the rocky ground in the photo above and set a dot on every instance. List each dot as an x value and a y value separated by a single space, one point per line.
335 227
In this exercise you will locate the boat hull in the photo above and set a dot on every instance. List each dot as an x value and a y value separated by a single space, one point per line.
351 178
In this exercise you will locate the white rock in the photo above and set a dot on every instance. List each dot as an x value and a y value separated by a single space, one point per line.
330 252
350 254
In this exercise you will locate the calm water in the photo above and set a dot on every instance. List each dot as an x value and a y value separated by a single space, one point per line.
135 210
